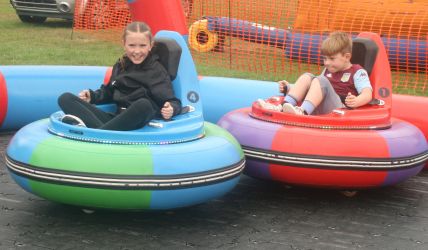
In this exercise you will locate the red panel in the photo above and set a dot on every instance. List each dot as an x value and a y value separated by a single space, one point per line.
327 178
413 110
3 99
381 73
108 75
341 143
160 15
354 119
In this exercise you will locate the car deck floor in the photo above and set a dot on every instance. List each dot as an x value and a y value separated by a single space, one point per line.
254 215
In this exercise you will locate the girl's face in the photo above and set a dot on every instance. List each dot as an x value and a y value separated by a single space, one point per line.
337 62
137 46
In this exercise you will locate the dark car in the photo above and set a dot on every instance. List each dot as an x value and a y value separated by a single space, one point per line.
37 11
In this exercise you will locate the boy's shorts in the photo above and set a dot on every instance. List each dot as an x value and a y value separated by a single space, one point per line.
331 100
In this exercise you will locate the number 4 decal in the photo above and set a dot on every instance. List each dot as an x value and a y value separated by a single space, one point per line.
192 96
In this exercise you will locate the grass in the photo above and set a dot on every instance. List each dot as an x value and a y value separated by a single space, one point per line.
55 43
50 43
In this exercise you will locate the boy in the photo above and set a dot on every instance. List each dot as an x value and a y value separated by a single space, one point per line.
340 84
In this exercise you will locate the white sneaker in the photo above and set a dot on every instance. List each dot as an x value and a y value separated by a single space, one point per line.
288 108
269 106
73 120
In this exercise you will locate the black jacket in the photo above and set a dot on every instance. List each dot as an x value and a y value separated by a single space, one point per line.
131 82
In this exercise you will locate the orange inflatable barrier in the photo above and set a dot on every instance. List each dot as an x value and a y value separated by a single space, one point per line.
393 17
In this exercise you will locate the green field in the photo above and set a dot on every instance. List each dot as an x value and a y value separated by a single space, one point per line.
55 43
50 43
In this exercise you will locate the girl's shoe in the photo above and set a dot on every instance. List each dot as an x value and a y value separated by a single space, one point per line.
73 120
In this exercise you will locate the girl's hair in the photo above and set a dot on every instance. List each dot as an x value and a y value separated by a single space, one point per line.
139 27
337 42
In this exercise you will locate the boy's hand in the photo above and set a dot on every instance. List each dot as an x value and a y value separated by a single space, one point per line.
283 86
85 95
351 100
167 111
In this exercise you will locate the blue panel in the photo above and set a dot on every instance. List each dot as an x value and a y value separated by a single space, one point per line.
184 127
22 182
185 197
208 153
24 142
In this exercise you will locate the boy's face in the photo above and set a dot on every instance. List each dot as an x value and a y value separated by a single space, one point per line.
337 62
137 46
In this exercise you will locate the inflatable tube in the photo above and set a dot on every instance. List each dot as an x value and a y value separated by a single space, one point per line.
410 108
220 95
123 176
395 16
3 99
29 93
201 38
164 165
403 53
325 158
363 119
345 149
245 30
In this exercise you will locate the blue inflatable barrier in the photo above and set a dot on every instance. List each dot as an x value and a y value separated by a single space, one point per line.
28 93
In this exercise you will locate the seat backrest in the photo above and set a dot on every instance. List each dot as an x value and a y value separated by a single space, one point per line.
369 51
364 52
169 53
181 67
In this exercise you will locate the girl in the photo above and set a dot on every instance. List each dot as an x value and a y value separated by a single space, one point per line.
139 86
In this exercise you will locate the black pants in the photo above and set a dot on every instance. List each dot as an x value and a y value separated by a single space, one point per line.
134 117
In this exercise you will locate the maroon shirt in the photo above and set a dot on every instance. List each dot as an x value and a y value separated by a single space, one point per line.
343 81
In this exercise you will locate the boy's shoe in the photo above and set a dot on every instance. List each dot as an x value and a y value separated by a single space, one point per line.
288 108
269 106
73 120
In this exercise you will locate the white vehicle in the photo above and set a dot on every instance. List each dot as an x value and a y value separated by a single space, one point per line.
37 11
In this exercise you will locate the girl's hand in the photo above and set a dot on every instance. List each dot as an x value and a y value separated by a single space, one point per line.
167 111
85 95
283 86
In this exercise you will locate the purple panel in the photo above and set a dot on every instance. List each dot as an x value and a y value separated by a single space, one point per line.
404 139
398 176
257 169
249 131
253 133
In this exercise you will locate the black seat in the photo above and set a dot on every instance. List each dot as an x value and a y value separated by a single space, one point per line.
364 52
169 53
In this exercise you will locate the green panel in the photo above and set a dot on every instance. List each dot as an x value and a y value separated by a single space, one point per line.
92 197
214 130
65 154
